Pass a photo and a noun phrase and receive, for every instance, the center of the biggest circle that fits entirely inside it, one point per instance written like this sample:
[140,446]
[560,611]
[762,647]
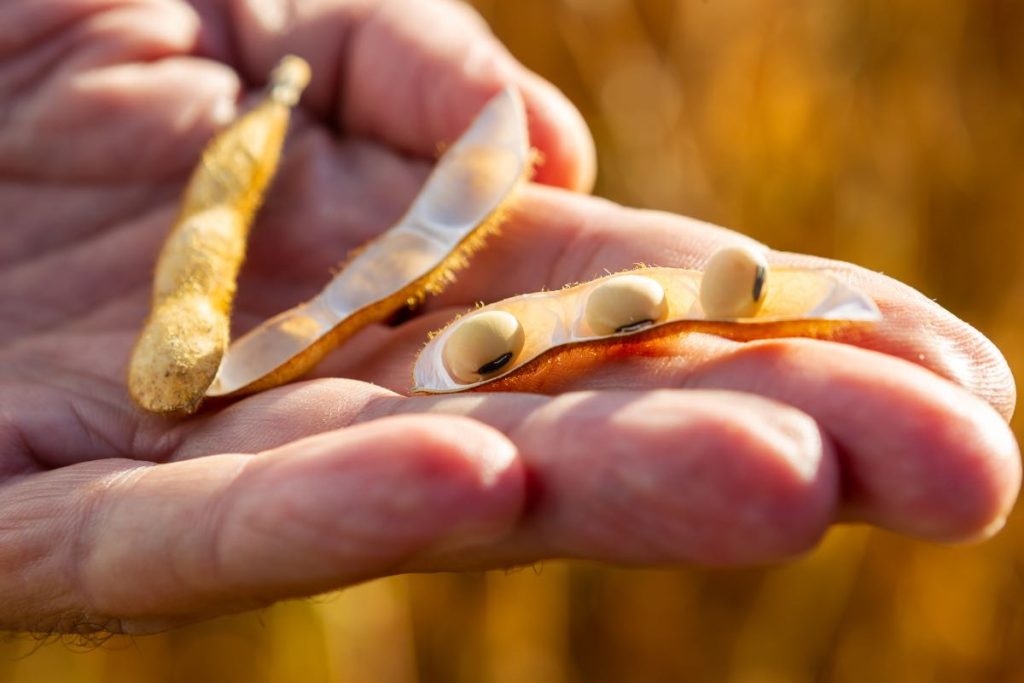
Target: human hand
[717,452]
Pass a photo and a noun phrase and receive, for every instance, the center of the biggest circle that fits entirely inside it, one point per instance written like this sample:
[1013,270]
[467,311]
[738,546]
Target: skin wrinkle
[40,356]
[165,70]
[974,362]
[731,439]
[84,529]
[31,276]
[22,32]
[215,426]
[15,456]
[70,391]
[34,243]
[122,318]
[206,525]
[951,347]
[356,537]
[99,441]
[615,496]
[43,57]
[577,250]
[510,423]
[216,526]
[113,92]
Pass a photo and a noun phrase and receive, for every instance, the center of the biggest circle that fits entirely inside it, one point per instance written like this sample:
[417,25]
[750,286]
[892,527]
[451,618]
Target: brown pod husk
[185,337]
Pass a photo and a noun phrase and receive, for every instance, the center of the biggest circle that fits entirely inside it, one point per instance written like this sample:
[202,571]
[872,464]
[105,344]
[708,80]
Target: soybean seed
[734,283]
[625,303]
[482,345]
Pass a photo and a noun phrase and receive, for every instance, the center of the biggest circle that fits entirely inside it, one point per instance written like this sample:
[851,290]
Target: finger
[116,100]
[116,546]
[639,477]
[62,301]
[412,74]
[661,477]
[554,238]
[920,456]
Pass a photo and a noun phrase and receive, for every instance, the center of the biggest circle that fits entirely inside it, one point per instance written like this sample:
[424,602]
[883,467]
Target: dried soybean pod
[569,331]
[183,341]
[464,199]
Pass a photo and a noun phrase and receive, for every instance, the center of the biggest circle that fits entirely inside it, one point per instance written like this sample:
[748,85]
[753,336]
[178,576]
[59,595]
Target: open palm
[707,451]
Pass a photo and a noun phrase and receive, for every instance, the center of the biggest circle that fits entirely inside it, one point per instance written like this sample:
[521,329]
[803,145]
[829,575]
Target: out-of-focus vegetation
[886,132]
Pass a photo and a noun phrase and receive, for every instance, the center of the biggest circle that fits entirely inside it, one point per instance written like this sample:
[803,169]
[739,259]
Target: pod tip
[288,79]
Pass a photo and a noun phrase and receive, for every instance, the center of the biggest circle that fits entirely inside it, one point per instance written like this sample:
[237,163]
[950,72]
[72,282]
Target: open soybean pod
[184,339]
[532,335]
[462,201]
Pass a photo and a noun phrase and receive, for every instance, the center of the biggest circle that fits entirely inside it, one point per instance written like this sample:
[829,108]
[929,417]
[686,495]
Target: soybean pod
[184,339]
[517,344]
[464,199]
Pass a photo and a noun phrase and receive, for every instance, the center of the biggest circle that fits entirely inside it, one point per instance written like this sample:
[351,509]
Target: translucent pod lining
[460,203]
[799,302]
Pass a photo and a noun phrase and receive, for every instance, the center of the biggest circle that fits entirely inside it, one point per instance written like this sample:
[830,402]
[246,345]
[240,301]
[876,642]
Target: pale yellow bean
[482,345]
[734,284]
[625,303]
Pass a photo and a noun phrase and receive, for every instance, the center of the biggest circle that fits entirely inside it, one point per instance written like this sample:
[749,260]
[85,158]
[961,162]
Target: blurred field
[890,133]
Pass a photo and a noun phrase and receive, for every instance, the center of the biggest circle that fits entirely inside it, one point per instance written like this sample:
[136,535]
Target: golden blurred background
[885,132]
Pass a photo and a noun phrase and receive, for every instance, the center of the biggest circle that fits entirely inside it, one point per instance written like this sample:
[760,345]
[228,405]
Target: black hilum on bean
[759,276]
[495,365]
[633,327]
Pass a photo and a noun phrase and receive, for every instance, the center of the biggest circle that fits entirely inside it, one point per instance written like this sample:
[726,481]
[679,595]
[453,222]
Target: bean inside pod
[578,320]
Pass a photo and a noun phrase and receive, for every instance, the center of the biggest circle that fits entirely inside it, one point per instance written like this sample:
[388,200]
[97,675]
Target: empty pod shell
[461,202]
